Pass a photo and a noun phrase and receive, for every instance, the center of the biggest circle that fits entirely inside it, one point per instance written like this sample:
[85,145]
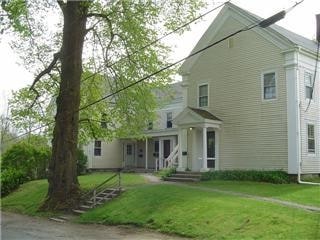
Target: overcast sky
[300,20]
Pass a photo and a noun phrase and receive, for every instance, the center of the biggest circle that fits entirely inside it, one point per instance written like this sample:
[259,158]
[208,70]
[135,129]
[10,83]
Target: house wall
[111,155]
[310,162]
[254,131]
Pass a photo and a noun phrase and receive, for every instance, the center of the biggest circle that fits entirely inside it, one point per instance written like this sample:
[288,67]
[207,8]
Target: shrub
[31,159]
[167,172]
[248,175]
[81,162]
[10,180]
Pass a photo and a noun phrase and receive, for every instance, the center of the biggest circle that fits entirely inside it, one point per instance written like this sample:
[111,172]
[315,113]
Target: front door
[211,149]
[129,153]
[166,149]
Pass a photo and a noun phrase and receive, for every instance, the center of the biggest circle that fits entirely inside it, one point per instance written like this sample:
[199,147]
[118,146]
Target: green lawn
[29,196]
[298,193]
[191,212]
[205,215]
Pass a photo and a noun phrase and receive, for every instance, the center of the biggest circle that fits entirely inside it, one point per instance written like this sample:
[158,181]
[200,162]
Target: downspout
[299,129]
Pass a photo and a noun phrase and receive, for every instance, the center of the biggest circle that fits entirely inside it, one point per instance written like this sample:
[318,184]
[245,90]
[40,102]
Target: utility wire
[162,37]
[314,77]
[133,53]
[263,24]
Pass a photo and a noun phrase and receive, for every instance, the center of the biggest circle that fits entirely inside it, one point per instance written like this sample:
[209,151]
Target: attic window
[230,43]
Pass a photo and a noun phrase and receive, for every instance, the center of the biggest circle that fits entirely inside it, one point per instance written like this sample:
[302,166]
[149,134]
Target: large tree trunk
[63,184]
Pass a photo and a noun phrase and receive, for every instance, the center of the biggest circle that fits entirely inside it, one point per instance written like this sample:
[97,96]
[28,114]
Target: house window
[269,86]
[150,125]
[103,123]
[97,148]
[156,149]
[169,120]
[203,95]
[308,82]
[311,139]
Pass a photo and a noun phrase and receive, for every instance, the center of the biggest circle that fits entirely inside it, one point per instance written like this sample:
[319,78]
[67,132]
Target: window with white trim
[169,120]
[97,148]
[203,95]
[308,83]
[269,86]
[311,139]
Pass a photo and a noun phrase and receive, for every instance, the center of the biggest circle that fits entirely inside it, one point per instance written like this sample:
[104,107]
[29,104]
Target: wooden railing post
[119,179]
[94,197]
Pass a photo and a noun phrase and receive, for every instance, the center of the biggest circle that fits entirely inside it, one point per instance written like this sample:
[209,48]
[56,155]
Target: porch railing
[112,183]
[172,160]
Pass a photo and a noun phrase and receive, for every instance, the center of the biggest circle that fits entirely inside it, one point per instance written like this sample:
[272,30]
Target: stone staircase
[184,177]
[104,192]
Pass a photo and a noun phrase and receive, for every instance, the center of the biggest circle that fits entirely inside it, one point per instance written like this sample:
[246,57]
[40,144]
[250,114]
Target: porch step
[181,179]
[186,175]
[78,211]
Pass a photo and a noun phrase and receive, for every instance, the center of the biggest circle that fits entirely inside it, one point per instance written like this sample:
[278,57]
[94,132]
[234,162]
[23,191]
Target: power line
[160,38]
[153,42]
[263,24]
[133,53]
[314,77]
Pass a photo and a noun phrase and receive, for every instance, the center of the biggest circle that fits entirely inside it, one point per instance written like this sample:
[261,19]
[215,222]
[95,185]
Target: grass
[205,215]
[298,193]
[29,196]
[192,212]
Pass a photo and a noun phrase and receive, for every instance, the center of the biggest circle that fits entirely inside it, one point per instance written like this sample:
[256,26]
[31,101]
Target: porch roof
[193,117]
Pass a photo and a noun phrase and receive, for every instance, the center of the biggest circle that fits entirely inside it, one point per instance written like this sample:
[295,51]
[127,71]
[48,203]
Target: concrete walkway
[152,179]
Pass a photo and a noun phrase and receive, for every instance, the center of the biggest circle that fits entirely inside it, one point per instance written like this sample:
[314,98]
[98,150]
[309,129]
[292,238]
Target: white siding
[111,155]
[254,132]
[310,162]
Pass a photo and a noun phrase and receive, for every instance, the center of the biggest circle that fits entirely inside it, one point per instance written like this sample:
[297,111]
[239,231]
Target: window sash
[203,96]
[308,83]
[97,148]
[269,86]
[311,139]
[169,120]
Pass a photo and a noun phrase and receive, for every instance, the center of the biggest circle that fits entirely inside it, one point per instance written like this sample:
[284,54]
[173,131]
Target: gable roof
[284,38]
[291,36]
[205,114]
[192,117]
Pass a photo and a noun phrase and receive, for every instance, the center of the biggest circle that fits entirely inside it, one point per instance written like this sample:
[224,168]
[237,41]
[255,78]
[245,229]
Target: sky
[300,20]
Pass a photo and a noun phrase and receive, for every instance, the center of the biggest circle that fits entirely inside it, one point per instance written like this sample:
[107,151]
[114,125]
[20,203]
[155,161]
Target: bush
[10,180]
[82,160]
[248,175]
[30,158]
[167,172]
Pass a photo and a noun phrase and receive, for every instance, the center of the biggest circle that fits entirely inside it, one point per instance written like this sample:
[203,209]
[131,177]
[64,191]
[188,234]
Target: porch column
[160,154]
[204,150]
[146,154]
[183,148]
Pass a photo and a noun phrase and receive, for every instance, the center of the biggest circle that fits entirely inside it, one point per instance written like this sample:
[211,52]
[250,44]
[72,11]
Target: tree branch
[99,15]
[56,56]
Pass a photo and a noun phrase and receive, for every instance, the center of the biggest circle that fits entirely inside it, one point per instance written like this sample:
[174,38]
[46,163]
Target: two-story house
[250,102]
[247,99]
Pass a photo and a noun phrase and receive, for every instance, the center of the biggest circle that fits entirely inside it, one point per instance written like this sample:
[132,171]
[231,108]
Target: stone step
[78,211]
[186,175]
[84,207]
[189,172]
[183,179]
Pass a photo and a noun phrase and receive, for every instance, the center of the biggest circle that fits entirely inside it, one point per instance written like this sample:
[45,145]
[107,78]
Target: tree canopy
[114,56]
[81,51]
